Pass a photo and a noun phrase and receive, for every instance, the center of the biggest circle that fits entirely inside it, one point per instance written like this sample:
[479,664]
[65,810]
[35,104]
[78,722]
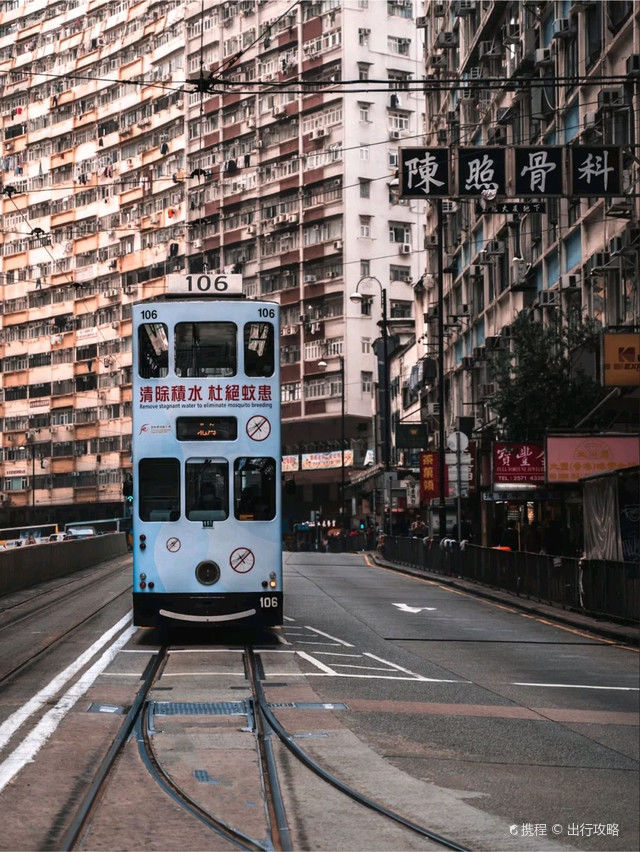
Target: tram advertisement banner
[517,463]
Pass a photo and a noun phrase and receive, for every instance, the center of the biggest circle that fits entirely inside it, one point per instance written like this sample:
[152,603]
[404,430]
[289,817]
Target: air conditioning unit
[394,134]
[431,241]
[468,363]
[447,40]
[488,51]
[433,409]
[465,7]
[310,279]
[287,330]
[421,22]
[449,206]
[563,28]
[318,133]
[617,246]
[292,218]
[453,117]
[281,218]
[337,244]
[476,270]
[487,390]
[599,260]
[112,294]
[549,298]
[251,230]
[438,60]
[315,327]
[543,57]
[494,247]
[404,248]
[570,282]
[633,65]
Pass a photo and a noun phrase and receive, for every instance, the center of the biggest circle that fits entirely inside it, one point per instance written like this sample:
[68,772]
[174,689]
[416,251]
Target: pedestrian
[510,536]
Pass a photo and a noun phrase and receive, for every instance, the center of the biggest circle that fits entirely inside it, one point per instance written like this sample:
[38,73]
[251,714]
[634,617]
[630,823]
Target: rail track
[265,727]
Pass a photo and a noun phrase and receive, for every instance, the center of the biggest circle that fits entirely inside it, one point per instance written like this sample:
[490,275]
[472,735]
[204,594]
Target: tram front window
[159,489]
[258,349]
[153,350]
[207,485]
[206,349]
[254,489]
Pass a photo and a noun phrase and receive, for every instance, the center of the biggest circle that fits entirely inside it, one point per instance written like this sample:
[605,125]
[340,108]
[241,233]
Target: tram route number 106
[206,283]
[268,603]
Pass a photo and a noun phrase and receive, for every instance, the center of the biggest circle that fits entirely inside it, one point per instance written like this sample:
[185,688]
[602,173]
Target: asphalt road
[532,723]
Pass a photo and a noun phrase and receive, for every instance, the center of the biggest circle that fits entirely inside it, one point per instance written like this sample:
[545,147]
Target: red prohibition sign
[258,427]
[242,560]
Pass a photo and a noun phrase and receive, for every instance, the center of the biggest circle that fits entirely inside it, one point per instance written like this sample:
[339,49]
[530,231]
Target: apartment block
[144,139]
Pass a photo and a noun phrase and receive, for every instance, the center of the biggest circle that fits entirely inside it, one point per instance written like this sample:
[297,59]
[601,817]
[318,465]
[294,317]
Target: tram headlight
[208,573]
[272,584]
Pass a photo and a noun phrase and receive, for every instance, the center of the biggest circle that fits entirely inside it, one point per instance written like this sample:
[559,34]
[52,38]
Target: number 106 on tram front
[206,463]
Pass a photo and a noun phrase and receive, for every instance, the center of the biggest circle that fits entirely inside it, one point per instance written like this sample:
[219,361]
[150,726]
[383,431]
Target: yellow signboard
[621,360]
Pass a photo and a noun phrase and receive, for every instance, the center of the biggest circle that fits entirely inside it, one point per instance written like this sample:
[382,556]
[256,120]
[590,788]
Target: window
[254,489]
[364,152]
[366,381]
[153,350]
[365,188]
[365,306]
[593,33]
[365,268]
[392,158]
[159,489]
[365,226]
[258,349]
[399,273]
[363,37]
[207,489]
[365,110]
[363,70]
[399,232]
[398,45]
[400,310]
[205,349]
[366,345]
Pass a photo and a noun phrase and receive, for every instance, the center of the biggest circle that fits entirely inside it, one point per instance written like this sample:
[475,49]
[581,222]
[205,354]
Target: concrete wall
[22,567]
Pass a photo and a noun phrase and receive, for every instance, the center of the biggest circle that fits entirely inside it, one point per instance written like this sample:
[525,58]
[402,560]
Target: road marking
[322,644]
[287,618]
[413,674]
[577,686]
[313,661]
[34,741]
[20,716]
[329,636]
[414,609]
[336,654]
[369,668]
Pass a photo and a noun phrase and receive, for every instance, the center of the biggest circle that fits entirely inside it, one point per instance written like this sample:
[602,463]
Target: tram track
[57,639]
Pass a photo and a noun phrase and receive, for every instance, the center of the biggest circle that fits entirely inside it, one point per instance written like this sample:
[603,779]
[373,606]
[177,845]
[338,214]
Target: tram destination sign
[205,284]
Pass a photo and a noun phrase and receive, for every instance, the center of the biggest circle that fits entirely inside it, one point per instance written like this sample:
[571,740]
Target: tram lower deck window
[254,487]
[159,489]
[206,349]
[207,489]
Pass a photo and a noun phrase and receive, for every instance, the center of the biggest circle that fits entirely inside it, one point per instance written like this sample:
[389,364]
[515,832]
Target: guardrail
[597,587]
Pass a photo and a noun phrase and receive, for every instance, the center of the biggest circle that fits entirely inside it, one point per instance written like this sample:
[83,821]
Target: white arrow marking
[406,608]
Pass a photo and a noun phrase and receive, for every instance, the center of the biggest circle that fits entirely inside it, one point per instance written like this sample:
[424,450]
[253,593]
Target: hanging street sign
[595,170]
[538,171]
[481,171]
[424,172]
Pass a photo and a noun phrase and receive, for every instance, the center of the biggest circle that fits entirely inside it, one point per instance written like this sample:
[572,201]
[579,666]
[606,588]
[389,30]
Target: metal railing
[598,587]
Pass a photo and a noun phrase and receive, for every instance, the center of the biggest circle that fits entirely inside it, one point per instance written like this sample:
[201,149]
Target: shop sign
[290,463]
[481,170]
[572,458]
[517,463]
[621,360]
[430,477]
[424,172]
[325,461]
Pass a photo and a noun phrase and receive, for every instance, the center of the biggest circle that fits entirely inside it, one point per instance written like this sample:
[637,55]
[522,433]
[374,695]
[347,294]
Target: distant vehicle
[80,532]
[59,537]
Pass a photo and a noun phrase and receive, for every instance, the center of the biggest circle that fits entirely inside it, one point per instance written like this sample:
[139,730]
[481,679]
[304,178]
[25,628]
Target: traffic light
[362,525]
[127,488]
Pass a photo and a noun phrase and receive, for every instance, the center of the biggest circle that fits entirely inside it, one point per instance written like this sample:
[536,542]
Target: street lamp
[323,365]
[386,442]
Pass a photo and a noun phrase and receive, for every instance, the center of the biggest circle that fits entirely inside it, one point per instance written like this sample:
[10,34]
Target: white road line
[407,671]
[281,638]
[321,644]
[286,618]
[135,651]
[206,651]
[315,662]
[34,741]
[369,668]
[13,722]
[336,654]
[577,686]
[329,636]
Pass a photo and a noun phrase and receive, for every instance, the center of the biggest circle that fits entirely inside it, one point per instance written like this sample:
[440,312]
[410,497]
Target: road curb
[606,629]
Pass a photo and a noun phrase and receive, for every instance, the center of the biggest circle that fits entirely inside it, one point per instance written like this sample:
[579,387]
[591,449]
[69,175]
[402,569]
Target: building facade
[144,139]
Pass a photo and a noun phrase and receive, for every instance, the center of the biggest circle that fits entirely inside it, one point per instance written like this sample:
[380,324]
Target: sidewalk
[600,627]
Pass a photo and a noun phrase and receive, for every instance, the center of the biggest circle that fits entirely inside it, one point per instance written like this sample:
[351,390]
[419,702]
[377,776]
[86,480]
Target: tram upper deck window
[258,349]
[207,487]
[254,489]
[159,489]
[206,349]
[153,350]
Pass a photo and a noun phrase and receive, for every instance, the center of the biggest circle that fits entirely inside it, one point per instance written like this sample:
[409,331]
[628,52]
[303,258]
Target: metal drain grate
[200,708]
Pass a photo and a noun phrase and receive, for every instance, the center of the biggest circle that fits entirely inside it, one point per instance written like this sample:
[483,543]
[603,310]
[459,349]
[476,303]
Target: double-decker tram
[206,460]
